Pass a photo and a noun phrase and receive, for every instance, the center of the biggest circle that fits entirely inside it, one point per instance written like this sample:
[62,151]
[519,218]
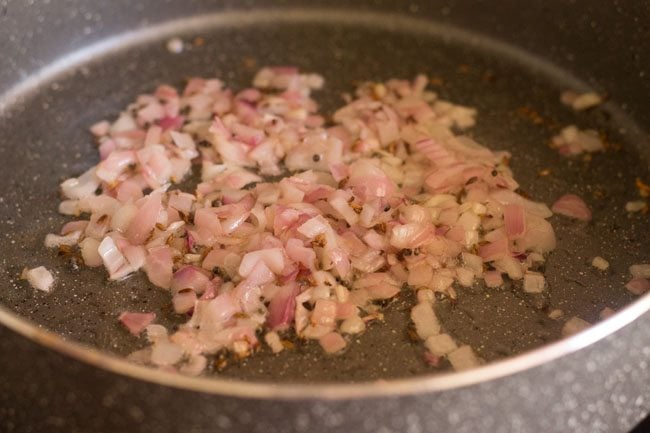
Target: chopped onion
[600,263]
[194,365]
[189,277]
[353,325]
[55,241]
[183,301]
[515,220]
[282,307]
[586,101]
[493,279]
[90,252]
[324,313]
[144,219]
[156,333]
[463,358]
[81,187]
[574,325]
[573,141]
[572,206]
[431,359]
[114,261]
[159,265]
[136,322]
[534,282]
[388,194]
[273,340]
[39,278]
[636,206]
[166,354]
[640,270]
[606,313]
[272,257]
[441,344]
[494,250]
[332,342]
[638,286]
[510,266]
[425,320]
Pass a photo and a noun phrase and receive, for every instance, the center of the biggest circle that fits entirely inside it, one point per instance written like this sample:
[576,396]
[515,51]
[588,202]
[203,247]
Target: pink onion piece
[572,206]
[640,270]
[273,258]
[507,196]
[109,169]
[494,250]
[301,254]
[332,342]
[73,226]
[158,266]
[514,217]
[638,286]
[220,309]
[383,290]
[183,301]
[173,123]
[145,218]
[136,322]
[324,313]
[190,277]
[387,194]
[411,235]
[282,307]
[493,278]
[431,359]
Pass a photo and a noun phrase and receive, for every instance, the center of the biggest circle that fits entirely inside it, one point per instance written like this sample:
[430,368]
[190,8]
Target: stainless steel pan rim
[241,389]
[377,389]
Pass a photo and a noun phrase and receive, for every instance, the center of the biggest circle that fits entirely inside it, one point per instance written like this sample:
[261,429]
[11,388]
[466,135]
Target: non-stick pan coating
[45,139]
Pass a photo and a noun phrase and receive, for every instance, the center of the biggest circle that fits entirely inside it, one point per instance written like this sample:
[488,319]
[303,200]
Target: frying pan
[68,64]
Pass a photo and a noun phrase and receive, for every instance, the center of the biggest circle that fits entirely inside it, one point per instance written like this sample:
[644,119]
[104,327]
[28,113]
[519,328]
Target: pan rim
[294,391]
[420,384]
[400,23]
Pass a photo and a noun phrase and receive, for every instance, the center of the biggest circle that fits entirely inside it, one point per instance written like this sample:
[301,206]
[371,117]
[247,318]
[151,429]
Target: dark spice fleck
[65,250]
[357,208]
[221,273]
[319,241]
[412,335]
[221,362]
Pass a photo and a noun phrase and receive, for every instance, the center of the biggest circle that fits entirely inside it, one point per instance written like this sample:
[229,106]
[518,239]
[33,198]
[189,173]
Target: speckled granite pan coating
[43,139]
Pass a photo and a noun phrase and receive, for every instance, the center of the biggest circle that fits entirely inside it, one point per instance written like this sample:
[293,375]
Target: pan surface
[45,139]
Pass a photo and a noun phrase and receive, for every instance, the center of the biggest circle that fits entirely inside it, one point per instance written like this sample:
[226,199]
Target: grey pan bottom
[595,389]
